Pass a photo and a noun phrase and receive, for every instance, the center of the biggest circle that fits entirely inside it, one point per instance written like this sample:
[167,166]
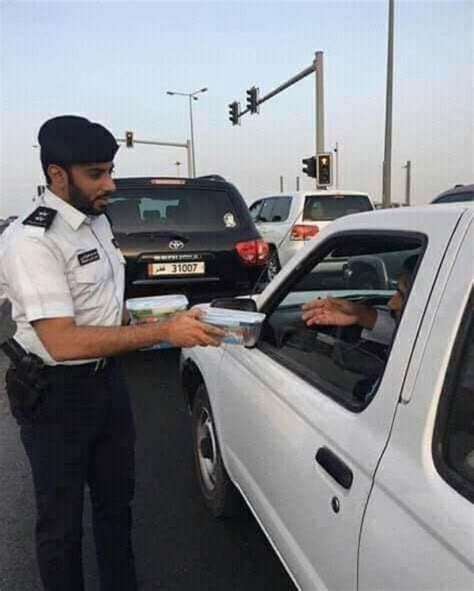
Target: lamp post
[191,96]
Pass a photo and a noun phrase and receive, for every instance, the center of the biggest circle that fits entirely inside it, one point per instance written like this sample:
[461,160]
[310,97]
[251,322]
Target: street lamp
[191,96]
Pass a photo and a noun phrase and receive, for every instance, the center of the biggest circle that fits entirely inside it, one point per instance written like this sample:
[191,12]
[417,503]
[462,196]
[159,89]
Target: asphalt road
[178,545]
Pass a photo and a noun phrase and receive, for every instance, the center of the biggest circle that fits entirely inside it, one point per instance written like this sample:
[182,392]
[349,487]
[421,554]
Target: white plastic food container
[156,308]
[241,328]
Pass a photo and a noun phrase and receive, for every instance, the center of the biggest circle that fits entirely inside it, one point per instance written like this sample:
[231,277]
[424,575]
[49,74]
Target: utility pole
[297,183]
[336,152]
[281,184]
[407,167]
[387,163]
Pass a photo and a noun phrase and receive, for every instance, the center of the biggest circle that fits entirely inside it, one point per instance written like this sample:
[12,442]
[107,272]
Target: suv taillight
[303,232]
[253,252]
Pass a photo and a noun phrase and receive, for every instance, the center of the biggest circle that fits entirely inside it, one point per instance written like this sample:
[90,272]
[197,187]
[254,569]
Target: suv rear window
[328,207]
[138,210]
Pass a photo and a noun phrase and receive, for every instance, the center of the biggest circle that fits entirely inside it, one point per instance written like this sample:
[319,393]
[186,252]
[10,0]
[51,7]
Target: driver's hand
[186,330]
[330,312]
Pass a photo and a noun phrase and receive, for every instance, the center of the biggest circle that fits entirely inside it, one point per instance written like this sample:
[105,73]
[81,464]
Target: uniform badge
[88,257]
[42,217]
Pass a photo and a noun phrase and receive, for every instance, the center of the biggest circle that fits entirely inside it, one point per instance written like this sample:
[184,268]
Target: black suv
[190,236]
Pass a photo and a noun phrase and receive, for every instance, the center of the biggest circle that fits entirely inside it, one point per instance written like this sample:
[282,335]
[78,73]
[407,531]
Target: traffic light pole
[407,167]
[187,146]
[319,92]
[282,87]
[317,67]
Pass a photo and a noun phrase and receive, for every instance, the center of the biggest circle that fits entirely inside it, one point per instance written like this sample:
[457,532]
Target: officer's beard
[79,200]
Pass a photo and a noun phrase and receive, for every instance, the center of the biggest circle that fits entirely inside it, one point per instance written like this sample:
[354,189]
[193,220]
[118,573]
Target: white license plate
[157,269]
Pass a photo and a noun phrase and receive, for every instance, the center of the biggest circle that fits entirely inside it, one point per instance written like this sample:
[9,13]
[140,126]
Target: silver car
[287,221]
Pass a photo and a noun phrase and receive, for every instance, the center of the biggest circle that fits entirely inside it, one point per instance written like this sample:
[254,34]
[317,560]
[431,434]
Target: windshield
[328,207]
[170,209]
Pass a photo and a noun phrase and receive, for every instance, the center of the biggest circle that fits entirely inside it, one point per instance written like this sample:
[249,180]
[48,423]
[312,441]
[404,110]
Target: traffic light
[309,167]
[129,139]
[324,171]
[234,109]
[252,99]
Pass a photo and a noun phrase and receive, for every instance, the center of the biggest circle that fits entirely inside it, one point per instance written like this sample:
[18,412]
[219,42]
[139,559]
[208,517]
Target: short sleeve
[36,275]
[383,329]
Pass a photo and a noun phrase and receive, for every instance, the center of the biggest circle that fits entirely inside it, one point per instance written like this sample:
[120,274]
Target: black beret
[69,139]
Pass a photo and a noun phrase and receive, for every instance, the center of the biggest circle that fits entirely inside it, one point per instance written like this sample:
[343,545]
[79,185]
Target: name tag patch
[88,257]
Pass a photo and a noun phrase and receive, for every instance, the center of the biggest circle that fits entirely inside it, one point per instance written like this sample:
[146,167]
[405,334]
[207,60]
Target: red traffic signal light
[129,139]
[309,167]
[324,171]
[252,99]
[234,114]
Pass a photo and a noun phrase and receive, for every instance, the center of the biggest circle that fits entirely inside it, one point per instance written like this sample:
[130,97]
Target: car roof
[417,215]
[214,181]
[328,193]
[455,190]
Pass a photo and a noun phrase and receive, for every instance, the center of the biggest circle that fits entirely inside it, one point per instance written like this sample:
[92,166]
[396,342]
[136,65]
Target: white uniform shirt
[383,329]
[71,269]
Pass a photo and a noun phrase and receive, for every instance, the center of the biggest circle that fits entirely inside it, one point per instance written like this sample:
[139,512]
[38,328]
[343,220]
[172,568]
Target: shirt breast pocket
[91,274]
[89,286]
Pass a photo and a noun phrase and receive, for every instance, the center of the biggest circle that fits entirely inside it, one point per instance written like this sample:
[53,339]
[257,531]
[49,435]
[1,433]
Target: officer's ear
[58,175]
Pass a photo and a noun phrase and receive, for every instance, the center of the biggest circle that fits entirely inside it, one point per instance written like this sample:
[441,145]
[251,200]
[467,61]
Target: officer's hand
[186,330]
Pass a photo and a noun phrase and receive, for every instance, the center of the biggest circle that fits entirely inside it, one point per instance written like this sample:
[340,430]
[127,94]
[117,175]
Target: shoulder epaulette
[42,217]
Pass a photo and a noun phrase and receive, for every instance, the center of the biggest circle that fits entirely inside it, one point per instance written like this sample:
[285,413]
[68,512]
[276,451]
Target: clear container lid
[225,317]
[158,304]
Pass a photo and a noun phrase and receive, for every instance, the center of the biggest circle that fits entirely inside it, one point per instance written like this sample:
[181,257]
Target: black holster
[25,381]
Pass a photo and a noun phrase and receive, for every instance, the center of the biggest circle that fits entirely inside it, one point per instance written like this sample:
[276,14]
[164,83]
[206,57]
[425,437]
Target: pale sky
[113,62]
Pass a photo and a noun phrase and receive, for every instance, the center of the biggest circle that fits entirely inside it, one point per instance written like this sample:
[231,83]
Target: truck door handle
[334,466]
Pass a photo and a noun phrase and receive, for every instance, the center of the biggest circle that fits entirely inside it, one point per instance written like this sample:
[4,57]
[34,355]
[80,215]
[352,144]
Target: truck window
[343,356]
[453,444]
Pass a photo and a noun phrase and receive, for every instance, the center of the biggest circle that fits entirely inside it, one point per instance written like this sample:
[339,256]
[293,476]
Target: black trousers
[83,433]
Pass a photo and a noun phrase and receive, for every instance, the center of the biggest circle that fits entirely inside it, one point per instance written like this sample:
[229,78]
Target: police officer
[63,272]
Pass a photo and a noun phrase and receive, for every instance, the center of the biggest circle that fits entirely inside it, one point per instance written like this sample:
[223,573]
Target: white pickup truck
[355,455]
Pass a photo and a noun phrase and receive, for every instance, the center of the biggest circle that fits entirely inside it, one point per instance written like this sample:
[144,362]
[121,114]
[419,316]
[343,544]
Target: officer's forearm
[65,341]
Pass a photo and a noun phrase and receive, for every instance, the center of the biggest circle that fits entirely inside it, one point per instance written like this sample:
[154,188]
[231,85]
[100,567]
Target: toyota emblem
[176,245]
